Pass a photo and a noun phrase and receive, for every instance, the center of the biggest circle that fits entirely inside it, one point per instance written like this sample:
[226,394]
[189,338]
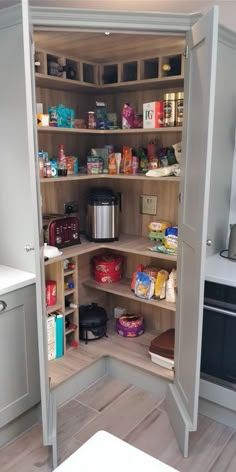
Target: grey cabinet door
[182,399]
[19,368]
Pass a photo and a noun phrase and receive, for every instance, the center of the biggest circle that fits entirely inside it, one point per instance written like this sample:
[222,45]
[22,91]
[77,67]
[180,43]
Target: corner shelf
[122,289]
[127,243]
[71,178]
[52,129]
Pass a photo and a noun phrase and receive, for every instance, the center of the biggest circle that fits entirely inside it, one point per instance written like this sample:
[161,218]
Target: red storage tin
[107,268]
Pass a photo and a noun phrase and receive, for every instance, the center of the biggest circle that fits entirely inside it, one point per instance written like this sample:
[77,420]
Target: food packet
[144,286]
[128,116]
[171,238]
[171,287]
[127,159]
[160,285]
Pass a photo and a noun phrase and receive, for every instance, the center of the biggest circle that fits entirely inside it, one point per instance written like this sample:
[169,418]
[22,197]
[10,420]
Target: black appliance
[92,322]
[218,362]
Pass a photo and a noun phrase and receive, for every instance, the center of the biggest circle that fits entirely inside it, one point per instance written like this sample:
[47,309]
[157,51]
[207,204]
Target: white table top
[104,452]
[12,279]
[220,270]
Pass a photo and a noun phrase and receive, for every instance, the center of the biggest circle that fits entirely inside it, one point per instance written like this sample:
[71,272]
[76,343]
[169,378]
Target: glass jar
[179,108]
[91,120]
[169,109]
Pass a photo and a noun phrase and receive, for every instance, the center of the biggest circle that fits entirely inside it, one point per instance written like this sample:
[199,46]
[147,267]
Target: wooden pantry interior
[115,69]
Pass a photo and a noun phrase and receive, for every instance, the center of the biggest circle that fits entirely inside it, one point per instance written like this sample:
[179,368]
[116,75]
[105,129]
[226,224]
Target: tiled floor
[132,414]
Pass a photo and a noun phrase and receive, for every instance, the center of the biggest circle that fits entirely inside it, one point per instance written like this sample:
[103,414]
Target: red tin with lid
[107,268]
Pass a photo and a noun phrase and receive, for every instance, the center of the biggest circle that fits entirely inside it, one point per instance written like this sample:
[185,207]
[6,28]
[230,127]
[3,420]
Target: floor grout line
[140,421]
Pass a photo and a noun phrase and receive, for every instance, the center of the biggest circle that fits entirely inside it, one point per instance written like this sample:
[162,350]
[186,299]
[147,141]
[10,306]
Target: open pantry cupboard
[137,78]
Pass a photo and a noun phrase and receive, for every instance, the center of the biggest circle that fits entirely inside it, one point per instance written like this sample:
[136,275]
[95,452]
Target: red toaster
[60,230]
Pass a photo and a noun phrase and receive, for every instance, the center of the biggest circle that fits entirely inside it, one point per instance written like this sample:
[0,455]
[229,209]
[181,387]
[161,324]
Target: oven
[218,360]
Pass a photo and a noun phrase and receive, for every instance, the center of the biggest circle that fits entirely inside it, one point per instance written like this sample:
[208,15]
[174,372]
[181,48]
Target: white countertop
[12,279]
[104,452]
[220,270]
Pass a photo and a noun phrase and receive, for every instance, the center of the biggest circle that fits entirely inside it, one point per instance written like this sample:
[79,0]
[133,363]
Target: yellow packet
[160,285]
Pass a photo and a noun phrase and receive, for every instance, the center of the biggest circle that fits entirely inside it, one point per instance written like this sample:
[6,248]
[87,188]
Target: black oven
[218,361]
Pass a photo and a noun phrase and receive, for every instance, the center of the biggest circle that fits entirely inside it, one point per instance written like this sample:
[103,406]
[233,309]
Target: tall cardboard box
[153,115]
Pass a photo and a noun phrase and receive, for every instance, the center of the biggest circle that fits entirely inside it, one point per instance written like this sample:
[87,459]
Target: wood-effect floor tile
[226,461]
[102,393]
[72,446]
[71,418]
[122,415]
[204,451]
[153,434]
[26,454]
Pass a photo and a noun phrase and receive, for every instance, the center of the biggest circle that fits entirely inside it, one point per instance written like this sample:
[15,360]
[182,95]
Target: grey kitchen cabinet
[205,134]
[19,366]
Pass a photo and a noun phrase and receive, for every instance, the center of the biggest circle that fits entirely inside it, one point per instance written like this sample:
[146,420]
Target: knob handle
[29,248]
[3,305]
[209,242]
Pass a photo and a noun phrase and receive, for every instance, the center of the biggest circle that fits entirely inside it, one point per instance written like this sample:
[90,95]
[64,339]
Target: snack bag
[171,287]
[171,238]
[128,116]
[160,285]
[144,286]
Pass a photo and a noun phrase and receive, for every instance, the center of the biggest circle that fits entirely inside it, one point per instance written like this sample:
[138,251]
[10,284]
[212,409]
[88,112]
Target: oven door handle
[219,310]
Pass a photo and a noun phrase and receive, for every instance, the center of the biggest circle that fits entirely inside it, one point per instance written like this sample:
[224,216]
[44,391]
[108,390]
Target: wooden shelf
[52,129]
[68,331]
[51,309]
[68,311]
[60,83]
[127,243]
[134,351]
[53,180]
[68,272]
[122,289]
[69,292]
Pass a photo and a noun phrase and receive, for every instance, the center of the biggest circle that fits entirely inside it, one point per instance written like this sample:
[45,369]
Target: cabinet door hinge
[180,197]
[186,52]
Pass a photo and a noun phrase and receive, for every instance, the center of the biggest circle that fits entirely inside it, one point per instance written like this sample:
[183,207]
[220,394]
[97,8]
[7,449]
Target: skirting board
[18,426]
[217,413]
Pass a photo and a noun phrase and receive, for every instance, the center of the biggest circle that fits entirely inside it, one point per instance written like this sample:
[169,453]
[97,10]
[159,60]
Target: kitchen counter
[220,270]
[12,279]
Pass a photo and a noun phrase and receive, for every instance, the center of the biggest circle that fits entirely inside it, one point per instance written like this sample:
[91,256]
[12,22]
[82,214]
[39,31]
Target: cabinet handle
[209,242]
[3,305]
[29,248]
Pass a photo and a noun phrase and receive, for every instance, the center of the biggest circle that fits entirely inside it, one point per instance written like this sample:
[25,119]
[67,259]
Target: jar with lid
[91,120]
[179,108]
[169,109]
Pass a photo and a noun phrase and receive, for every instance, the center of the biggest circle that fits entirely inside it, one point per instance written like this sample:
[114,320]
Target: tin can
[54,168]
[179,108]
[91,120]
[169,109]
[51,292]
